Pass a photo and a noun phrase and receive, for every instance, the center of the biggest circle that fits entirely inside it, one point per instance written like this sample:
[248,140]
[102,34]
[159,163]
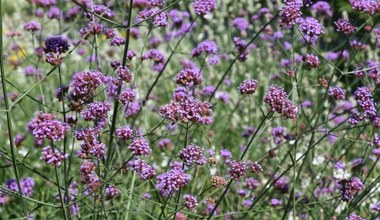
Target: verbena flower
[203,7]
[192,154]
[344,26]
[276,98]
[144,170]
[237,169]
[190,201]
[53,156]
[337,93]
[349,188]
[140,147]
[171,181]
[248,86]
[56,44]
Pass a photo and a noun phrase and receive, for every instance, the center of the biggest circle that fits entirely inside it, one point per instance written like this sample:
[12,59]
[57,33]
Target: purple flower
[117,41]
[278,133]
[282,184]
[44,125]
[112,192]
[365,100]
[144,170]
[159,18]
[203,7]
[190,201]
[311,60]
[192,154]
[349,187]
[124,73]
[368,6]
[125,133]
[275,202]
[354,216]
[337,93]
[54,13]
[32,26]
[208,47]
[311,28]
[189,77]
[56,44]
[171,181]
[127,95]
[84,84]
[140,147]
[345,26]
[237,169]
[322,8]
[289,14]
[276,98]
[96,111]
[240,46]
[248,86]
[53,157]
[240,23]
[252,183]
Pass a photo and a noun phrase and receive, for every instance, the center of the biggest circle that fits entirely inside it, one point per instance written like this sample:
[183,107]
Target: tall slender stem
[9,115]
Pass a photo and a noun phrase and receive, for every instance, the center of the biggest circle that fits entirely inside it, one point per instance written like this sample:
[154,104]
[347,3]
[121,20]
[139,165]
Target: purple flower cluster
[144,170]
[44,125]
[91,144]
[276,98]
[89,177]
[240,46]
[140,147]
[190,201]
[208,47]
[32,26]
[365,100]
[368,6]
[157,57]
[248,86]
[203,7]
[187,110]
[125,133]
[322,8]
[192,154]
[171,181]
[290,13]
[157,18]
[345,26]
[56,44]
[112,192]
[337,93]
[189,77]
[237,169]
[53,156]
[349,187]
[311,28]
[83,86]
[124,73]
[96,111]
[278,133]
[311,60]
[27,184]
[127,95]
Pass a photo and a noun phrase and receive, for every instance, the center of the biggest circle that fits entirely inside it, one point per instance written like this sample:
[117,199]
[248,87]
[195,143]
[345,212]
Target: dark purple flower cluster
[187,110]
[56,44]
[171,181]
[100,10]
[190,201]
[44,125]
[96,111]
[192,154]
[189,77]
[83,86]
[345,26]
[144,170]
[237,169]
[53,156]
[349,187]
[124,73]
[337,93]
[365,100]
[140,147]
[248,86]
[208,47]
[276,98]
[252,183]
[203,7]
